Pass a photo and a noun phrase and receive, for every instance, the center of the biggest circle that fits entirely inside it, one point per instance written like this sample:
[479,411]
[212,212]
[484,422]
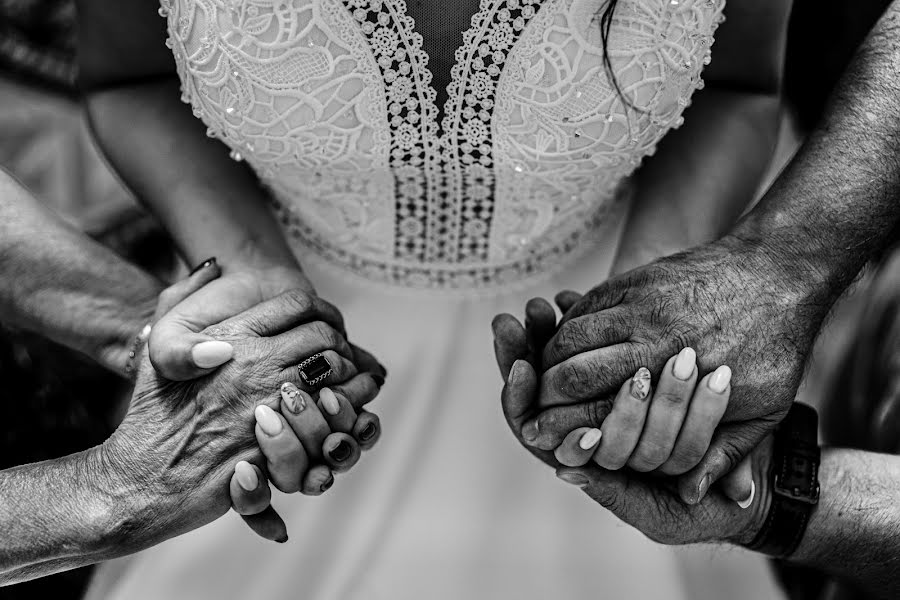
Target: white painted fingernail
[246,476]
[684,364]
[330,402]
[746,503]
[268,421]
[208,355]
[720,380]
[590,439]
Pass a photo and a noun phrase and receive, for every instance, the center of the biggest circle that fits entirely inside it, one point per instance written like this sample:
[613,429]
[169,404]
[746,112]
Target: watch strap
[795,483]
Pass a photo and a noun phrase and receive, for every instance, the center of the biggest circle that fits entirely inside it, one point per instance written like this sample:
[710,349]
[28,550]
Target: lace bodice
[331,102]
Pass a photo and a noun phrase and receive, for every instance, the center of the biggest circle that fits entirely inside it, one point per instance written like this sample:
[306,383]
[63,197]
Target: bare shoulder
[750,45]
[121,41]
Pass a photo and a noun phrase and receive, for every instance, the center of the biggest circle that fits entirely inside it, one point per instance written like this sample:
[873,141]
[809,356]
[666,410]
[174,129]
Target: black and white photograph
[450,299]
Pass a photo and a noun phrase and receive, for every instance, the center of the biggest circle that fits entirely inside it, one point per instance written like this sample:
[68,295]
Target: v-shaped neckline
[442,108]
[452,158]
[442,36]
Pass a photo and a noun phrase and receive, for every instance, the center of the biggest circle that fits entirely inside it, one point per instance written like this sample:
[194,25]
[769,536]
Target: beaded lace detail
[331,102]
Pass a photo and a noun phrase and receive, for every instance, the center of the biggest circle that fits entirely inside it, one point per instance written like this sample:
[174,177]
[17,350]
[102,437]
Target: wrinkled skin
[174,453]
[735,303]
[648,502]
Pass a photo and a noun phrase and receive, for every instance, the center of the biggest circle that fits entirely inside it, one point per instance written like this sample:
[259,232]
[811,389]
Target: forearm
[210,204]
[854,533]
[57,515]
[838,202]
[703,176]
[58,282]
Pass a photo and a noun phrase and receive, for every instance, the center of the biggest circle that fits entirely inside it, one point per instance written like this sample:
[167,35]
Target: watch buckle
[803,469]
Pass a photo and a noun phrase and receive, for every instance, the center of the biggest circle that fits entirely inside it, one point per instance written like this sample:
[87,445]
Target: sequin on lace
[331,102]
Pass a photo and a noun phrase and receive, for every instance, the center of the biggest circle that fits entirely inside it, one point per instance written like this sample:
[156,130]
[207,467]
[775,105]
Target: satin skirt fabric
[448,505]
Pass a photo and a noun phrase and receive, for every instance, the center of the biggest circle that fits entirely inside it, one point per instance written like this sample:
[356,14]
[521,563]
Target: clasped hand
[195,428]
[655,461]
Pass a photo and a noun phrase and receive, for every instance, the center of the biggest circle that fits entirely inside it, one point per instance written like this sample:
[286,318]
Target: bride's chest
[546,106]
[317,83]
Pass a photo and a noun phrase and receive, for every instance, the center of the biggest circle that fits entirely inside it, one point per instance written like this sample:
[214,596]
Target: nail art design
[294,399]
[640,384]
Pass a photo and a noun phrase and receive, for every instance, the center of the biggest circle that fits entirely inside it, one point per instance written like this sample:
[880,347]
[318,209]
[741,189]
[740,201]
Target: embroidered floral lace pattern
[330,101]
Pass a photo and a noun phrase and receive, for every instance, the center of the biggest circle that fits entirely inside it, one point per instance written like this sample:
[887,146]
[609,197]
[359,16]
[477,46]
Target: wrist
[125,327]
[128,508]
[110,522]
[796,254]
[251,254]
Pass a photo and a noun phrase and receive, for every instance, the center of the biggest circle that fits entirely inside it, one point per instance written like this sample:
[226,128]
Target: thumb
[606,488]
[268,525]
[729,446]
[173,295]
[518,395]
[177,352]
[510,342]
[739,485]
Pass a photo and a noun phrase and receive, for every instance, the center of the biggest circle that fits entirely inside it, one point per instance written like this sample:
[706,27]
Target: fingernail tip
[746,503]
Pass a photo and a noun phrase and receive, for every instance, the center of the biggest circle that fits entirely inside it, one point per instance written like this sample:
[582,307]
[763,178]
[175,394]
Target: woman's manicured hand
[716,299]
[665,428]
[176,449]
[305,442]
[733,511]
[179,348]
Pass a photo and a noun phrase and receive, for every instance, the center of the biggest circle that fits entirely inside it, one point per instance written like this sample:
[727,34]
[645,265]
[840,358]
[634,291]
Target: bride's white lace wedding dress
[515,187]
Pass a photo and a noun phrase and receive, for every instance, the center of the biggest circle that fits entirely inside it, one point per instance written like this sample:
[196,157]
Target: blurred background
[54,402]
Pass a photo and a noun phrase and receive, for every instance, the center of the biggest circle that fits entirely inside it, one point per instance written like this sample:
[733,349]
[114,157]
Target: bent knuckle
[611,461]
[325,333]
[297,300]
[572,337]
[576,379]
[683,459]
[634,356]
[594,413]
[670,397]
[649,456]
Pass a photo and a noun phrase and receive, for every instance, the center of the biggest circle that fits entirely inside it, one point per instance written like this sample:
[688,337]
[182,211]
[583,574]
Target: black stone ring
[315,369]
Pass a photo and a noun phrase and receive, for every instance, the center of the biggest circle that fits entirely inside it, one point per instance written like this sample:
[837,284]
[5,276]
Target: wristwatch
[794,480]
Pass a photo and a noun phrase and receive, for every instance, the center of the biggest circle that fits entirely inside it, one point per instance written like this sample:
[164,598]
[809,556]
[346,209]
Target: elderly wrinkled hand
[177,448]
[647,501]
[719,299]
